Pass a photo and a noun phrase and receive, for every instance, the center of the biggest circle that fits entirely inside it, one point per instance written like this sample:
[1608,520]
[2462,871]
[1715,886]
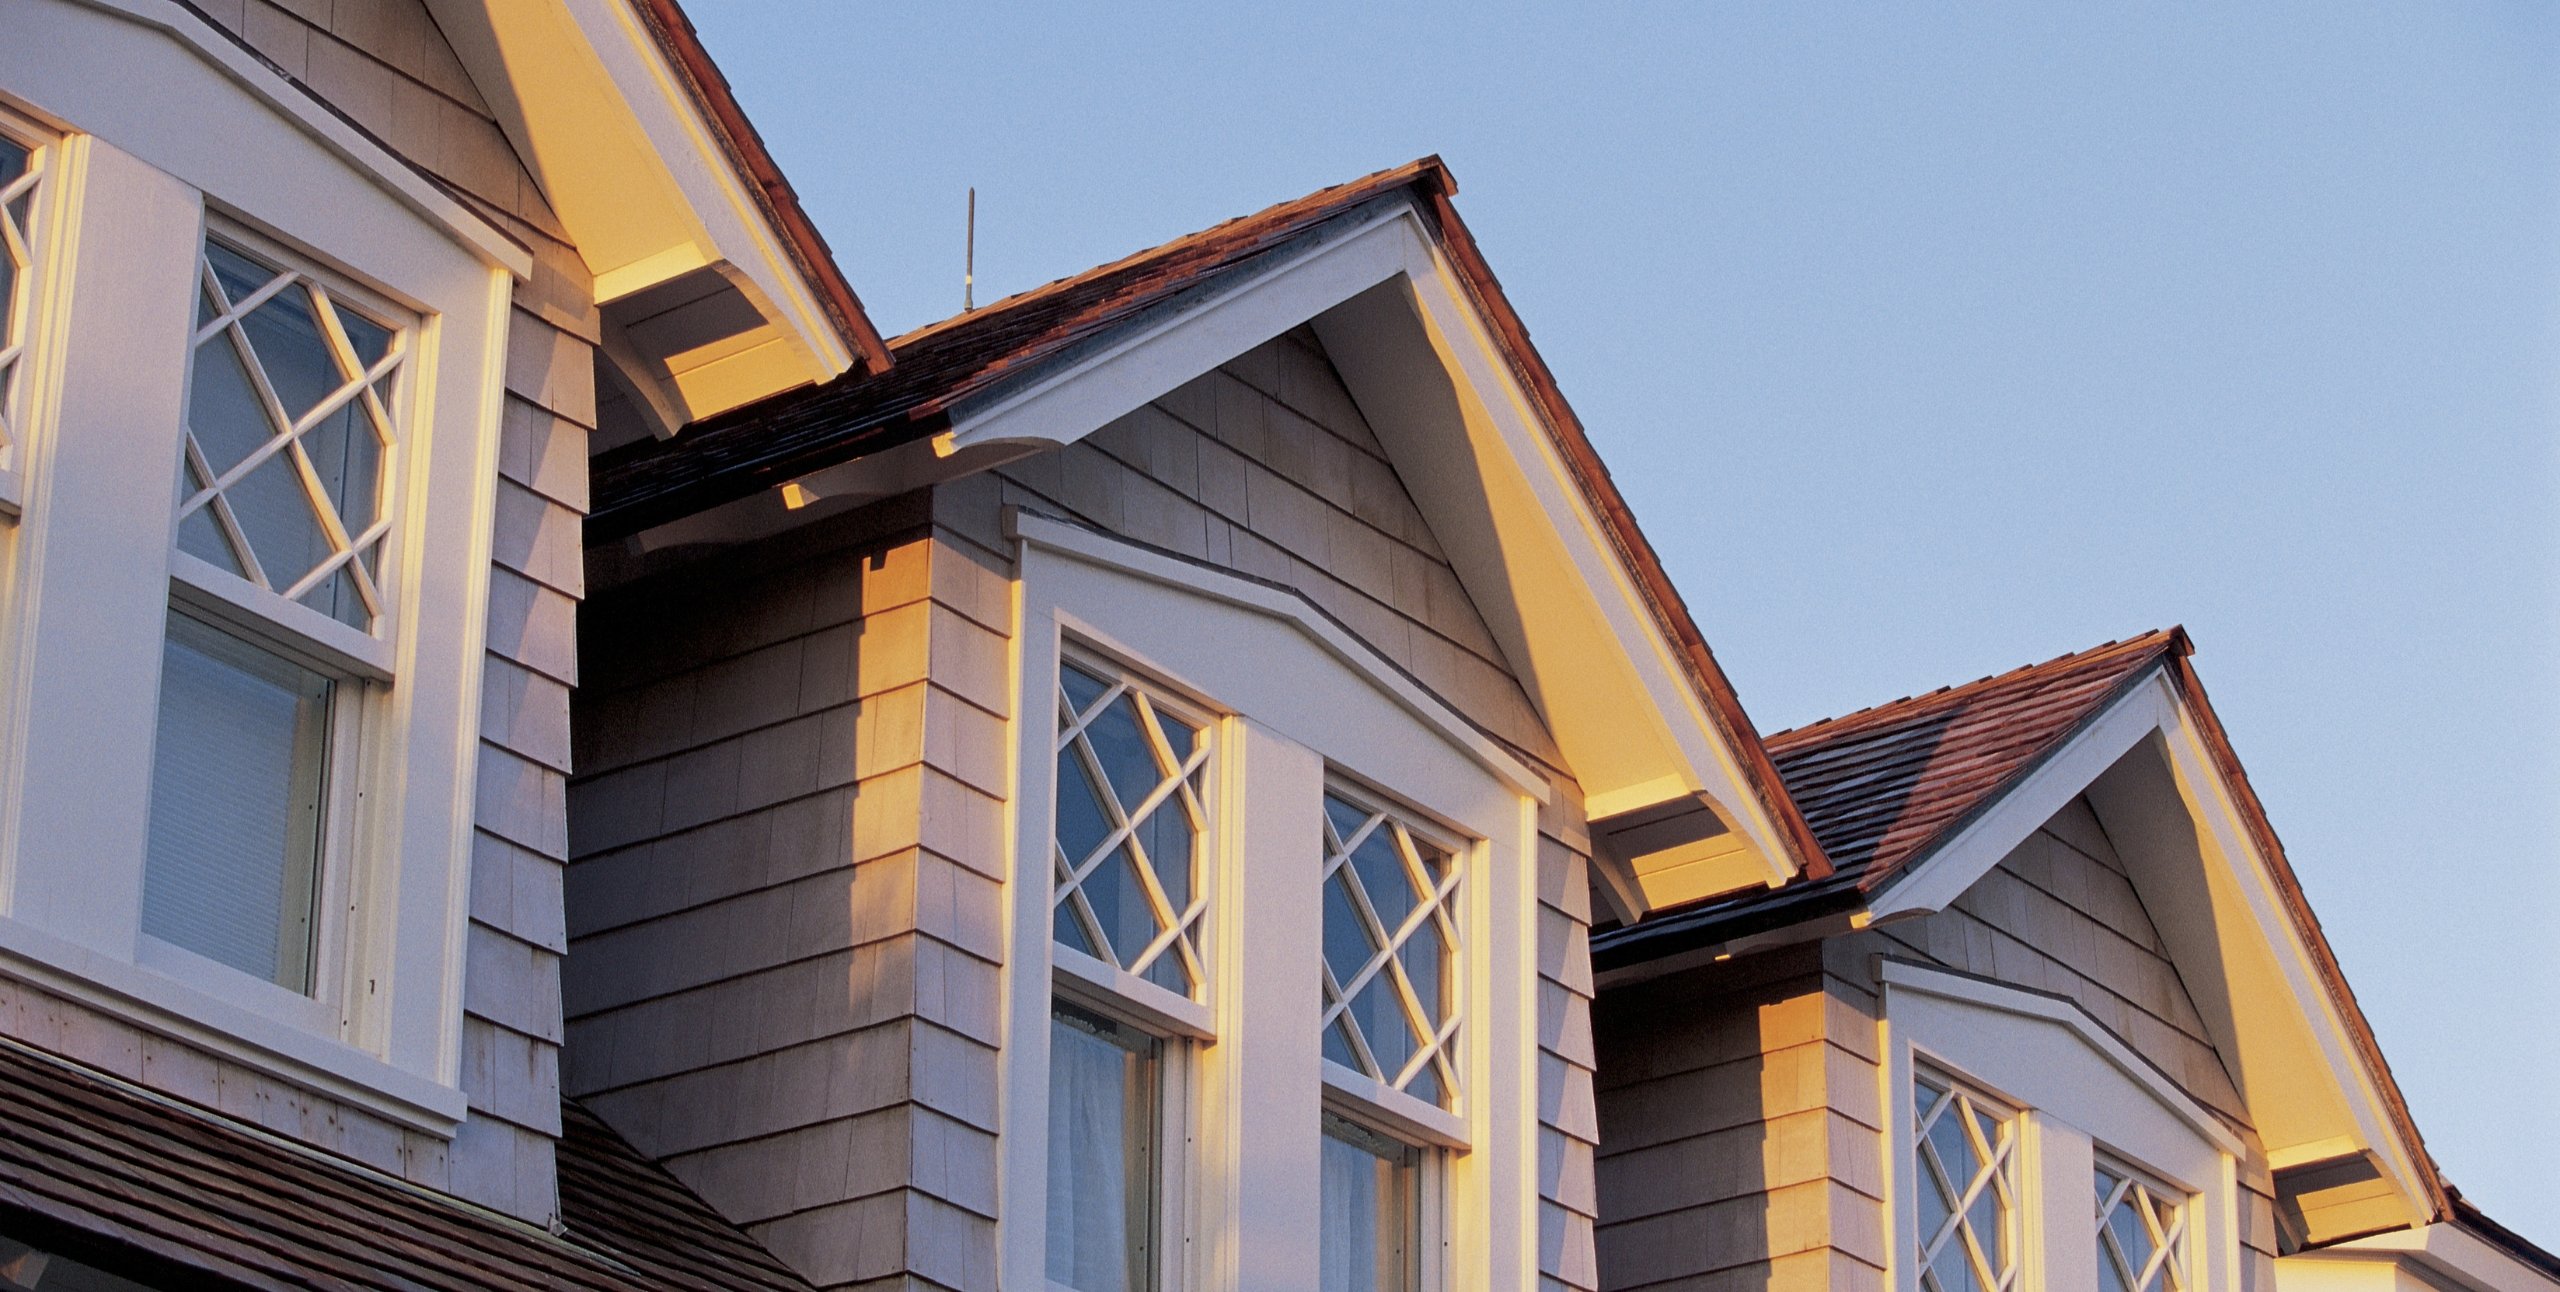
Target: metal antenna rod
[969,268]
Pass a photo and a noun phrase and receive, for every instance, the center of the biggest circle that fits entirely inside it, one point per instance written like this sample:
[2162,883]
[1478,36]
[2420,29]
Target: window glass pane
[1129,784]
[1390,910]
[2141,1234]
[1369,1211]
[1102,1141]
[280,380]
[237,780]
[1964,1165]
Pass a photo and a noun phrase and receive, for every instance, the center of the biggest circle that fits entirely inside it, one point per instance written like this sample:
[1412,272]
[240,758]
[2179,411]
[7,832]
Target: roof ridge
[1388,177]
[2154,640]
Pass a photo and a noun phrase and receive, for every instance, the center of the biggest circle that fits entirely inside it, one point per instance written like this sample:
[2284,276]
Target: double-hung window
[289,442]
[1128,901]
[1278,936]
[1389,1032]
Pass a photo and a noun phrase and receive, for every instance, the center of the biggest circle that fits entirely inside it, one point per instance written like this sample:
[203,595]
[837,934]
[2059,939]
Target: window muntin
[1132,824]
[1390,941]
[2141,1232]
[1370,1238]
[238,792]
[284,469]
[1964,1155]
[1105,1089]
[21,173]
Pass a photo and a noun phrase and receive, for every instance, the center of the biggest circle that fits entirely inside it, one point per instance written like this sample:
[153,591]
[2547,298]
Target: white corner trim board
[97,62]
[1906,976]
[1095,548]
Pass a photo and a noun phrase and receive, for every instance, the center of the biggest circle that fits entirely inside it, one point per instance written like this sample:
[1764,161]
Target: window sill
[156,1002]
[238,604]
[1118,992]
[1370,1101]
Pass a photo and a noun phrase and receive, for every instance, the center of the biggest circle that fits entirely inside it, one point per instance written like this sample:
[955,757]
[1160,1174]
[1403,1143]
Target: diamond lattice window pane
[1964,1160]
[2141,1234]
[1389,943]
[1129,825]
[288,436]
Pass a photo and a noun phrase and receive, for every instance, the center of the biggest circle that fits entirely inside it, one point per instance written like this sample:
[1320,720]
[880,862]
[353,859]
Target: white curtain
[1367,1216]
[1100,1173]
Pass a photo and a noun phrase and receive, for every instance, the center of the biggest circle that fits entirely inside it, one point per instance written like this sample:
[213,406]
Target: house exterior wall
[1743,1139]
[784,910]
[725,786]
[383,64]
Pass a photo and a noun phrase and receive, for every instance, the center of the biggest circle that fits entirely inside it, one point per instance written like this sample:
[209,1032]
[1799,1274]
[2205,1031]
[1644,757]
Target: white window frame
[1304,700]
[225,137]
[2081,1094]
[33,323]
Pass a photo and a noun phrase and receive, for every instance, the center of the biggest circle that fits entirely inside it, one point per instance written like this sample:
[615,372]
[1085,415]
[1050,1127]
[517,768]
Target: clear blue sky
[1928,341]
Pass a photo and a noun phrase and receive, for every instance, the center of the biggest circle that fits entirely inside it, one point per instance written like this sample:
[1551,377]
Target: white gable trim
[95,64]
[1905,976]
[1094,548]
[1603,673]
[1936,880]
[2155,711]
[1151,360]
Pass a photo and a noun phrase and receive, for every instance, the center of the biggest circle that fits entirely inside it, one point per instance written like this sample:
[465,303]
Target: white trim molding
[2442,1254]
[145,126]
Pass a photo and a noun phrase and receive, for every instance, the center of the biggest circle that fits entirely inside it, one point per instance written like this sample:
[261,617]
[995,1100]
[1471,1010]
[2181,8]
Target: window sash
[24,160]
[1963,1158]
[1130,830]
[239,805]
[2140,1231]
[1371,1232]
[1391,986]
[1105,1126]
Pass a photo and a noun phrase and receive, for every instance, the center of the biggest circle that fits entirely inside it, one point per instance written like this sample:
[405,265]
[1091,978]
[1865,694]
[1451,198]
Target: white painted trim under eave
[392,173]
[1095,548]
[2444,1249]
[1904,975]
[1936,880]
[1149,362]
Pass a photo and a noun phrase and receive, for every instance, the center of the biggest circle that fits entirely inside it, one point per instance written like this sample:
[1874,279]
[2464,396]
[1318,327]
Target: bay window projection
[1390,932]
[1964,1155]
[282,476]
[2141,1233]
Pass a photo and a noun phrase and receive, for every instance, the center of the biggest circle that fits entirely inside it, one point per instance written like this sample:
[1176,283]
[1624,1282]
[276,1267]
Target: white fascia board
[1095,548]
[1935,881]
[2217,812]
[2154,708]
[392,174]
[1151,360]
[1082,396]
[1706,762]
[730,216]
[2445,1250]
[1903,975]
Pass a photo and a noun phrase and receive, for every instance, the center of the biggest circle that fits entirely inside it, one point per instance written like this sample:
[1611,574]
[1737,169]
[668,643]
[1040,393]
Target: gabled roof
[1882,787]
[972,356]
[197,1192]
[937,366]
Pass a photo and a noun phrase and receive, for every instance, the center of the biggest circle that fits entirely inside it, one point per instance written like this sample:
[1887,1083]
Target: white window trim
[2080,1092]
[44,146]
[1258,1093]
[133,181]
